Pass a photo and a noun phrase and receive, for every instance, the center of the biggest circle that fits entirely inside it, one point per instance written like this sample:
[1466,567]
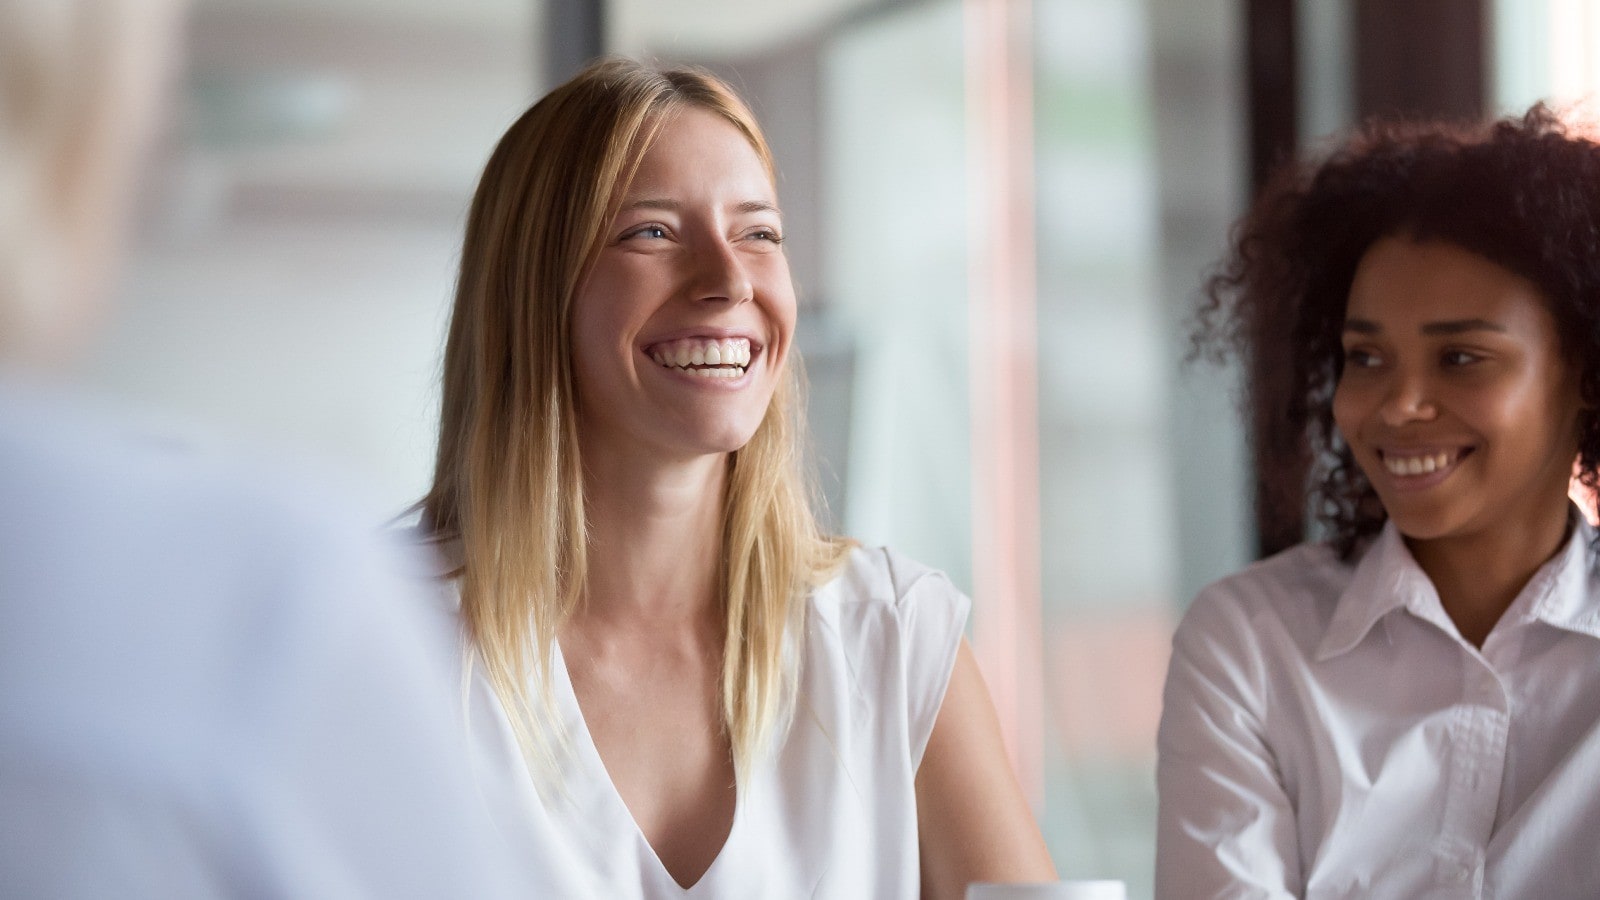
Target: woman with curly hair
[1406,707]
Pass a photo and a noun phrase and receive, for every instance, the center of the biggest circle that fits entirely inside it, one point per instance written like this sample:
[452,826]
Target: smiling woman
[1410,708]
[699,222]
[678,684]
[1458,405]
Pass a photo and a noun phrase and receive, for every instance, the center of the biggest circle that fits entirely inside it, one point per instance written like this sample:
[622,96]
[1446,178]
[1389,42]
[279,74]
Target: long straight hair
[508,482]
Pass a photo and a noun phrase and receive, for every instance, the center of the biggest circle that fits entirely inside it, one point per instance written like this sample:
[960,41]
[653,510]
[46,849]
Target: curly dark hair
[1523,193]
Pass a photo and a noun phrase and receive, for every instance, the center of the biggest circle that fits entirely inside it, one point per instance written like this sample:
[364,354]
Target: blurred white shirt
[213,685]
[1328,733]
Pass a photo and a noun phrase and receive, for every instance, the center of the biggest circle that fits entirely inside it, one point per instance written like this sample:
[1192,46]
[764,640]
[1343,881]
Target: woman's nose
[1409,398]
[720,274]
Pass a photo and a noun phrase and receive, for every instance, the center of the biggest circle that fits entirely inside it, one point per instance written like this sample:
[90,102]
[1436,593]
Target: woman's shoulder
[1312,567]
[874,576]
[1293,592]
[887,628]
[881,597]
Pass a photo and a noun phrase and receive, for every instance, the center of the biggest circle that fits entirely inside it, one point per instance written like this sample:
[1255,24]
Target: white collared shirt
[1327,732]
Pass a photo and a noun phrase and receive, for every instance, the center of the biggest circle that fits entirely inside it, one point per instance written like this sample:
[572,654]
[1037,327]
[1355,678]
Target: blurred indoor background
[999,211]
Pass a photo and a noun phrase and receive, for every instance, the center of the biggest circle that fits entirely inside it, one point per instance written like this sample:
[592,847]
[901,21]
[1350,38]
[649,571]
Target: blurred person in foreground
[679,682]
[212,684]
[1409,707]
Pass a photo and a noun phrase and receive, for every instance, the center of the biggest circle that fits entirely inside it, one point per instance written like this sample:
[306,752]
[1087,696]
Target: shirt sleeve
[932,616]
[1226,827]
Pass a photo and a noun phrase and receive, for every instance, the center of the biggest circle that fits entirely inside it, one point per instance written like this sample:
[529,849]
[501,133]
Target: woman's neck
[655,538]
[1479,576]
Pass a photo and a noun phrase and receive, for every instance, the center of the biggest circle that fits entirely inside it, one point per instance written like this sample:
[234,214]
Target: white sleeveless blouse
[832,812]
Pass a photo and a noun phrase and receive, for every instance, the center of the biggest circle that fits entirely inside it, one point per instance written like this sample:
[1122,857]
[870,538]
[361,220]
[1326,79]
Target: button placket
[1479,733]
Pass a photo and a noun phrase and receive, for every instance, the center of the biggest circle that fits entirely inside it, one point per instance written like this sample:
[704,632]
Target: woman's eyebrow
[1461,326]
[1447,327]
[661,203]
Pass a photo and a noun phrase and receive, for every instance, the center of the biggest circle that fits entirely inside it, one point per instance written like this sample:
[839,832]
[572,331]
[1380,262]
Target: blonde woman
[682,686]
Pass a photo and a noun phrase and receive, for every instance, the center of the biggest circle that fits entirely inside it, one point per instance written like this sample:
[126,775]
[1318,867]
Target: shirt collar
[1386,579]
[1565,592]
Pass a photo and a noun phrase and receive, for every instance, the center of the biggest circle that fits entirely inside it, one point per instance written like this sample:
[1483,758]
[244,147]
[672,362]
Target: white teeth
[1416,465]
[722,359]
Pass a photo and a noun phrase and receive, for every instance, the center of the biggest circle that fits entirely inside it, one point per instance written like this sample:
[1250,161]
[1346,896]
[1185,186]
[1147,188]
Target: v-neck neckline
[590,752]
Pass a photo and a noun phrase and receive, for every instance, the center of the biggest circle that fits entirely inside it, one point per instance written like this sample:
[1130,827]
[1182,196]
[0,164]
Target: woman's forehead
[1435,287]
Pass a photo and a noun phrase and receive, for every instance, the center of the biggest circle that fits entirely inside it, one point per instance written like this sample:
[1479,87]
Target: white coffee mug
[1052,890]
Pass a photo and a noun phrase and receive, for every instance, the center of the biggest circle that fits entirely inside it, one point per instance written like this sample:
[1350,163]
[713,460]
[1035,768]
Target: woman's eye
[654,232]
[766,234]
[1357,358]
[1453,358]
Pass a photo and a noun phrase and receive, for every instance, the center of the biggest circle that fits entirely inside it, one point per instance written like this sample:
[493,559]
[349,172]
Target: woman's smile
[725,359]
[1420,468]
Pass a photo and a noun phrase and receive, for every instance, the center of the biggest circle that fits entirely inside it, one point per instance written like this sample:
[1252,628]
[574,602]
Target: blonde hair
[78,82]
[508,479]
